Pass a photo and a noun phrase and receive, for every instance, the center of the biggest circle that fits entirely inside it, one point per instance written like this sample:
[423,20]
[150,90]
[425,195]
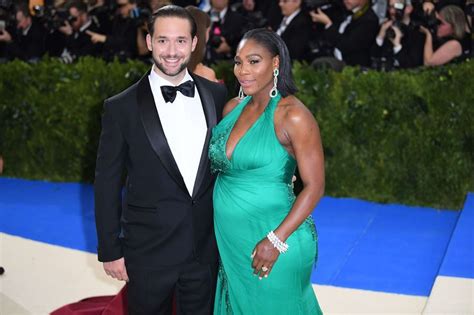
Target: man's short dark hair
[23,8]
[171,11]
[78,5]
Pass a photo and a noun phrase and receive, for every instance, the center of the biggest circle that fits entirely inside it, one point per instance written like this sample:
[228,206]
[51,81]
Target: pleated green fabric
[252,195]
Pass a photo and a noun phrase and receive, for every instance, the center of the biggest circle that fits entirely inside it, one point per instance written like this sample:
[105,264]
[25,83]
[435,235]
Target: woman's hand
[425,30]
[264,256]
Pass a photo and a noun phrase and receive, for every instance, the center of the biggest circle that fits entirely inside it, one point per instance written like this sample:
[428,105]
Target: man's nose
[171,48]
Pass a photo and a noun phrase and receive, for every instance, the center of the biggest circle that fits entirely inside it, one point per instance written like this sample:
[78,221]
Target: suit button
[193,202]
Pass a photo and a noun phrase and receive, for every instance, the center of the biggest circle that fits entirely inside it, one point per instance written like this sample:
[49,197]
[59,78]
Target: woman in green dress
[266,237]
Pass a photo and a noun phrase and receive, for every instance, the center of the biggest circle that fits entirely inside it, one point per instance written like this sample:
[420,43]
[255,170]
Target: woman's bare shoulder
[293,111]
[230,105]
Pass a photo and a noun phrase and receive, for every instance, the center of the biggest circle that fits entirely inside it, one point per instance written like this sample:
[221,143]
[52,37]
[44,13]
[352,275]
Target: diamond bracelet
[277,243]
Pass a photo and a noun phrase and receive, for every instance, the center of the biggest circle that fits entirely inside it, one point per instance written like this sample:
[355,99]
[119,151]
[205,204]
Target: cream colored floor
[451,296]
[40,278]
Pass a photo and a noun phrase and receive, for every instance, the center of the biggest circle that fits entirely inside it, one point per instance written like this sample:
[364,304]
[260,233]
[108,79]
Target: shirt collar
[26,30]
[85,26]
[221,14]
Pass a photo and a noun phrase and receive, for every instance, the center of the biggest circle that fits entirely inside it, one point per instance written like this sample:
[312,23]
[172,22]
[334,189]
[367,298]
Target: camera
[390,34]
[51,17]
[399,14]
[428,20]
[318,4]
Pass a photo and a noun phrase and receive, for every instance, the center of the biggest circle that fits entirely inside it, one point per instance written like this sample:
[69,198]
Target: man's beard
[163,69]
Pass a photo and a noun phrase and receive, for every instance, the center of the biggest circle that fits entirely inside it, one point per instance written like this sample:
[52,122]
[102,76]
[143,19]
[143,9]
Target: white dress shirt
[184,125]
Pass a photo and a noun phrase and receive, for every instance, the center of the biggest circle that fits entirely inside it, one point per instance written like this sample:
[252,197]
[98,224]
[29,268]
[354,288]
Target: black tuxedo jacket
[79,43]
[153,222]
[357,40]
[297,35]
[30,46]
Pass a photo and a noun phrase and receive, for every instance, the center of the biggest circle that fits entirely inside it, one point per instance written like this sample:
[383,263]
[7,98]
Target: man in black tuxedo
[352,37]
[225,33]
[159,234]
[78,42]
[27,42]
[294,28]
[398,42]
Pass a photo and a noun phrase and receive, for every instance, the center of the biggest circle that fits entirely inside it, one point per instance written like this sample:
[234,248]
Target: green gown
[252,196]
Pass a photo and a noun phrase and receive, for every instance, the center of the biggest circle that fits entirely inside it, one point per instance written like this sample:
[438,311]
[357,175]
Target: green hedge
[405,137]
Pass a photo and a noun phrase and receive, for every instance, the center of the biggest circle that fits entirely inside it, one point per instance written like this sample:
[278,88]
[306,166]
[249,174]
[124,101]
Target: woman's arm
[443,54]
[302,132]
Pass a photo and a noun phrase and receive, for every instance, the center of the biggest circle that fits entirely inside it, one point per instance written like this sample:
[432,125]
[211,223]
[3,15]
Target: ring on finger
[264,268]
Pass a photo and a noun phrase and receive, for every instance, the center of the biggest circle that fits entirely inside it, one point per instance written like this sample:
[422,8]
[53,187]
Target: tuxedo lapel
[154,130]
[209,108]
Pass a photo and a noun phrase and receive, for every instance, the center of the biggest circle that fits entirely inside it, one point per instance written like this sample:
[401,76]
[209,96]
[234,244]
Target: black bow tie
[169,92]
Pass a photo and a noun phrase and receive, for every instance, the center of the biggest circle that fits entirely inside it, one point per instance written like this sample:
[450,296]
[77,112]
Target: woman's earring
[274,91]
[241,93]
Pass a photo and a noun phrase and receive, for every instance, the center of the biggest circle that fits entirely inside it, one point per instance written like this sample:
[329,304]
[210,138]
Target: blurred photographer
[398,44]
[75,28]
[254,18]
[226,31]
[26,42]
[353,37]
[101,14]
[121,42]
[450,42]
[295,28]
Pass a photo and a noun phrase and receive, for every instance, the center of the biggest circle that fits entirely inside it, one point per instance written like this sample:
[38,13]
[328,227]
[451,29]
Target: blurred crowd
[379,34]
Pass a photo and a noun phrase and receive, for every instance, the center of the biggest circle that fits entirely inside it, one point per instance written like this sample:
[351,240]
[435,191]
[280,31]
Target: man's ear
[195,41]
[148,42]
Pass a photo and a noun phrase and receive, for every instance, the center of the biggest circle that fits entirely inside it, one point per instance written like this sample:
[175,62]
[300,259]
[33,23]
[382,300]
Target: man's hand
[223,48]
[5,36]
[66,29]
[116,269]
[96,37]
[383,29]
[320,17]
[428,7]
[397,40]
